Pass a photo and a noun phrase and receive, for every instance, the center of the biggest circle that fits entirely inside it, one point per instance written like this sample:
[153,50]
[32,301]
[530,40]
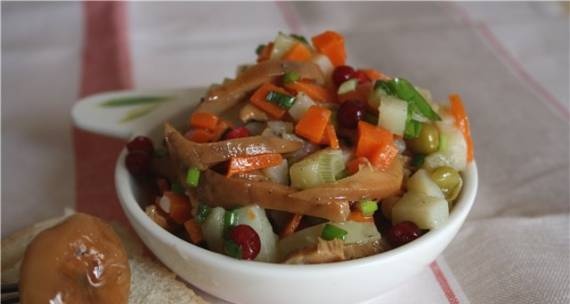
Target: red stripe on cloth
[511,61]
[105,67]
[290,16]
[443,283]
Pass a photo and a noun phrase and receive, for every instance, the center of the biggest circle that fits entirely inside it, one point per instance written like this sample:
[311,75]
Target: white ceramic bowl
[254,282]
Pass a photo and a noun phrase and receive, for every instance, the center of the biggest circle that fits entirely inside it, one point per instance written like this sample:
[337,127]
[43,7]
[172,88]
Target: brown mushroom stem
[205,155]
[223,97]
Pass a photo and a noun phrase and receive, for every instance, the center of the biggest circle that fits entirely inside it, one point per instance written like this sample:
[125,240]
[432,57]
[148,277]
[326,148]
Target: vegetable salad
[304,159]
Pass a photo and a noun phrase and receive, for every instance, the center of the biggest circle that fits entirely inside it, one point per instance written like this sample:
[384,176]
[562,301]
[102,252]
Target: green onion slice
[230,219]
[291,77]
[300,38]
[331,232]
[404,90]
[280,99]
[232,249]
[193,177]
[367,207]
[202,213]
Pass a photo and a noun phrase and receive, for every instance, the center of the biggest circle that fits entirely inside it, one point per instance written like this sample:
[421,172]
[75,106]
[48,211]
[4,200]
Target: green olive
[427,142]
[448,180]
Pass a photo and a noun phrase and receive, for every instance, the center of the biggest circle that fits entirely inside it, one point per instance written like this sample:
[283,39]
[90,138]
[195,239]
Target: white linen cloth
[509,61]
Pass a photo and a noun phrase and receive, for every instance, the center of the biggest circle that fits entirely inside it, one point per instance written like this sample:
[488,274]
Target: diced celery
[393,114]
[318,168]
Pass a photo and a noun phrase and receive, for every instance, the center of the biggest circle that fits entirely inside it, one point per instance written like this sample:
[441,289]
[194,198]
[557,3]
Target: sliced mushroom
[205,155]
[334,251]
[81,260]
[222,98]
[250,112]
[366,183]
[220,191]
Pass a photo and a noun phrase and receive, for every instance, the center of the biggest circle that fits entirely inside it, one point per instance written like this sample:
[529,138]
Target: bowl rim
[135,211]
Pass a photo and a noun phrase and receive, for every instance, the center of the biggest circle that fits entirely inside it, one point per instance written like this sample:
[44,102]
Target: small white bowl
[254,282]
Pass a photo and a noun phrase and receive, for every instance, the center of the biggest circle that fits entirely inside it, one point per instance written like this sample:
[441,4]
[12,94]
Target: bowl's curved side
[254,282]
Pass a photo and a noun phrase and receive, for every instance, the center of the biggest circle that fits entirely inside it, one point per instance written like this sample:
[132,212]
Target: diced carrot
[316,92]
[370,138]
[162,184]
[357,216]
[203,120]
[292,225]
[194,231]
[265,53]
[374,75]
[330,137]
[221,128]
[250,163]
[353,165]
[313,124]
[178,206]
[259,100]
[200,135]
[383,156]
[331,44]
[462,122]
[362,93]
[298,52]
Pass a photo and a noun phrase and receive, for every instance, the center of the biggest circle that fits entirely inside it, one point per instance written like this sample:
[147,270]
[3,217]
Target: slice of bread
[150,281]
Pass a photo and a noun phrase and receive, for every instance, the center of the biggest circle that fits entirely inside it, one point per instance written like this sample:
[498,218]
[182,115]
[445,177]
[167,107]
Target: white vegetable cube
[421,182]
[301,105]
[324,64]
[453,150]
[393,114]
[255,217]
[427,212]
[281,45]
[213,229]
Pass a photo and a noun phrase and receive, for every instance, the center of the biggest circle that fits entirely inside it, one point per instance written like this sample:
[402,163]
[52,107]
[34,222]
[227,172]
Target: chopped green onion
[367,207]
[280,99]
[232,249]
[300,38]
[177,188]
[347,86]
[193,177]
[259,49]
[202,213]
[413,129]
[230,219]
[291,77]
[404,90]
[331,232]
[418,160]
[316,169]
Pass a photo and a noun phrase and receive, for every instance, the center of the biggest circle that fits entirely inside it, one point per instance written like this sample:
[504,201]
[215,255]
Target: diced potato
[427,212]
[255,217]
[301,105]
[393,114]
[358,233]
[421,182]
[453,150]
[213,229]
[281,45]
